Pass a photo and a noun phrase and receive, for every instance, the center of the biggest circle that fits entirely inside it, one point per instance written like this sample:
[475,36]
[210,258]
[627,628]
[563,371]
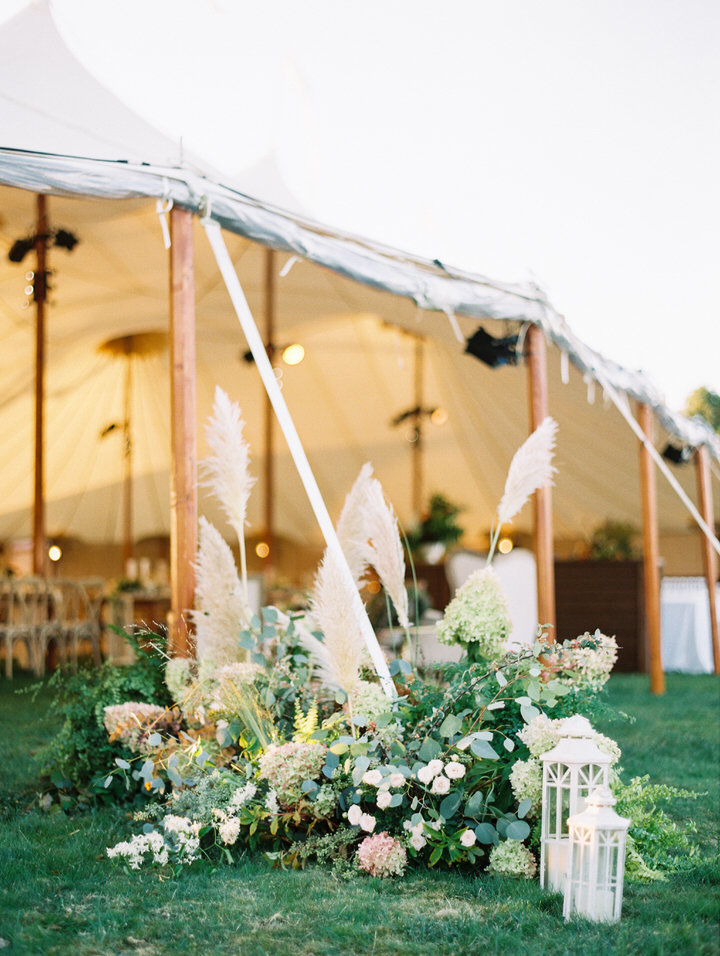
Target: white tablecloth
[686,634]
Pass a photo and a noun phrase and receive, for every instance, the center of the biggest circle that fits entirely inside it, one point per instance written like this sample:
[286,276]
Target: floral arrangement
[295,749]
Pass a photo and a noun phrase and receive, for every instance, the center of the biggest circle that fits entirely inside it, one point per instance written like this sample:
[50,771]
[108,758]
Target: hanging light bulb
[293,354]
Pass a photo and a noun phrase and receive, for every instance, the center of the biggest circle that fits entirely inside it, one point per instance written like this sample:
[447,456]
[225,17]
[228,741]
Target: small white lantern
[594,887]
[571,771]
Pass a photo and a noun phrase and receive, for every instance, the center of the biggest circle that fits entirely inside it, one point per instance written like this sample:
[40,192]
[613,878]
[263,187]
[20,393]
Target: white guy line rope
[294,444]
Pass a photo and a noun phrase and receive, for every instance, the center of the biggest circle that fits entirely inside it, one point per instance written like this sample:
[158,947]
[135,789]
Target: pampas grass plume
[338,664]
[352,526]
[220,607]
[385,550]
[530,469]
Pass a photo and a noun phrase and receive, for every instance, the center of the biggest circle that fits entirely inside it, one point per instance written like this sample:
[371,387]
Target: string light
[293,354]
[262,549]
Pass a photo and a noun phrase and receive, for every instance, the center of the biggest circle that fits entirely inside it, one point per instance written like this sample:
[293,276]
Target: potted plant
[437,530]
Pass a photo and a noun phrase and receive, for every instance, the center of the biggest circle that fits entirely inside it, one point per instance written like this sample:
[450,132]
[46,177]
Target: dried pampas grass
[221,609]
[384,550]
[352,529]
[226,472]
[338,657]
[530,469]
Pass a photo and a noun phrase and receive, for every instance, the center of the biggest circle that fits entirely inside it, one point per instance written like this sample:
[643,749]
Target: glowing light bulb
[54,552]
[505,546]
[293,354]
[262,549]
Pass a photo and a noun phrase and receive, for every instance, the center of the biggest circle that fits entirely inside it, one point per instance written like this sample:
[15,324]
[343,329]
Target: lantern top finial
[577,726]
[601,797]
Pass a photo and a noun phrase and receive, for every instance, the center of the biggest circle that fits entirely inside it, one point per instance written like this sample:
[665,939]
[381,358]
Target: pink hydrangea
[382,855]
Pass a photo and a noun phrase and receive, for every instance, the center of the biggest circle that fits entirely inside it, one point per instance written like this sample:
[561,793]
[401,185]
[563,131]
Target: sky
[572,142]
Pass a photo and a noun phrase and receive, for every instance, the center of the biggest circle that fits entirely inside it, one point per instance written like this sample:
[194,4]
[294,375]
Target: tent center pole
[536,358]
[39,542]
[183,455]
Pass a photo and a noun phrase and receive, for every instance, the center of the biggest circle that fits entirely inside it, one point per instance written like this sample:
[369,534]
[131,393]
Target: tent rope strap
[297,451]
[621,406]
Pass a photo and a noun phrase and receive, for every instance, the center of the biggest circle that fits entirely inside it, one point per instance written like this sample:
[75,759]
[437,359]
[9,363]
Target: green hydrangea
[369,701]
[511,858]
[477,618]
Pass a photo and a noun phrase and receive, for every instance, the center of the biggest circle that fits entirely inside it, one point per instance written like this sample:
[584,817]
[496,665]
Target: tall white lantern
[571,771]
[594,887]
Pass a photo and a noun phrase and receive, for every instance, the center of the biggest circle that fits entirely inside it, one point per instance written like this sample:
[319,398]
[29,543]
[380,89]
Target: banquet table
[686,634]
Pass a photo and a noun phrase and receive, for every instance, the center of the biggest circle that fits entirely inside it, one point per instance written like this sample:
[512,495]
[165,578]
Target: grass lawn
[60,894]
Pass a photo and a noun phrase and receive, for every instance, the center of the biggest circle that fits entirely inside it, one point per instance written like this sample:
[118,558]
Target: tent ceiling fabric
[349,301]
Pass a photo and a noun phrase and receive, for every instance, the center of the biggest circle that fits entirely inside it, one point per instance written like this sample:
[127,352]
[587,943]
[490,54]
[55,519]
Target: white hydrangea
[526,782]
[229,831]
[541,734]
[242,796]
[512,858]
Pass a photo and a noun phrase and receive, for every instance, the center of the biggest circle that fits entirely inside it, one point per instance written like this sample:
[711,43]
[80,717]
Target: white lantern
[571,771]
[594,887]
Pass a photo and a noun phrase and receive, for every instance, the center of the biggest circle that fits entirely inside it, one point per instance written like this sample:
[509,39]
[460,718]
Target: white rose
[373,778]
[440,785]
[383,799]
[467,838]
[354,814]
[396,780]
[367,822]
[455,770]
[418,841]
[425,775]
[435,767]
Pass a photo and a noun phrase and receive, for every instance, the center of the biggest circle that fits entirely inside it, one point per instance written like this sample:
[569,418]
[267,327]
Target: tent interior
[371,356]
[357,377]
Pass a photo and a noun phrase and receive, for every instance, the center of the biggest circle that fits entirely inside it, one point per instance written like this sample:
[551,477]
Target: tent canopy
[357,307]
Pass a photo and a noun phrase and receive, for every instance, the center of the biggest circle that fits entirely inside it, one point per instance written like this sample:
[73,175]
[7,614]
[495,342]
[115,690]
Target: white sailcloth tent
[356,306]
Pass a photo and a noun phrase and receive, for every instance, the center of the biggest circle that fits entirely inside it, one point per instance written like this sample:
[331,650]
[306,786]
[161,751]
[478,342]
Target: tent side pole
[39,543]
[710,563]
[417,448]
[183,483]
[651,551]
[536,357]
[269,414]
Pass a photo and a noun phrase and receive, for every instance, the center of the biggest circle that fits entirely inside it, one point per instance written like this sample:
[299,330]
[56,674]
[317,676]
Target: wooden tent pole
[536,358]
[710,561]
[39,542]
[269,519]
[651,551]
[127,545]
[183,468]
[417,451]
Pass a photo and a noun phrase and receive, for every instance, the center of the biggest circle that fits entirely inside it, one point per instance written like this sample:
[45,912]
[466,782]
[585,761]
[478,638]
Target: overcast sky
[575,142]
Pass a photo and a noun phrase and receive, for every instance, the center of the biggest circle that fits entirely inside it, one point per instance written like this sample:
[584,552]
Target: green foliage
[438,524]
[59,895]
[614,541]
[75,761]
[706,404]
[658,843]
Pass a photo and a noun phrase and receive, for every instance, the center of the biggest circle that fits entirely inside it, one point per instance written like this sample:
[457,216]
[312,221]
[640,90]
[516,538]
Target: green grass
[59,894]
